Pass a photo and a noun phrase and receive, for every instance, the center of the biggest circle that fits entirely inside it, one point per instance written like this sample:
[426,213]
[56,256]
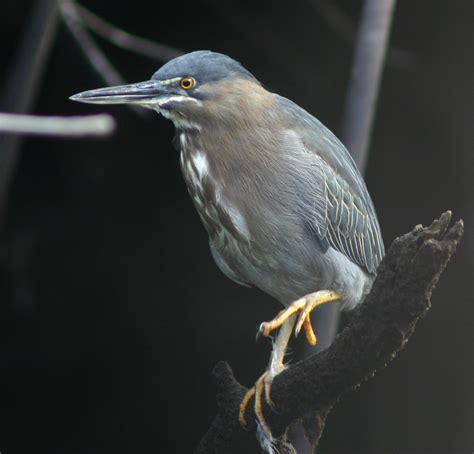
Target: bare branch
[125,40]
[101,125]
[94,55]
[92,52]
[22,85]
[342,24]
[378,330]
[369,59]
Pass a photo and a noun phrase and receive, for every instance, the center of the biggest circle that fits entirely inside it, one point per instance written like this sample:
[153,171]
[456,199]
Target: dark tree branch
[86,43]
[379,329]
[342,24]
[92,52]
[125,40]
[22,86]
[369,57]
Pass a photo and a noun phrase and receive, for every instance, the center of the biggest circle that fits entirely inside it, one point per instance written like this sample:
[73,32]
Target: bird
[283,203]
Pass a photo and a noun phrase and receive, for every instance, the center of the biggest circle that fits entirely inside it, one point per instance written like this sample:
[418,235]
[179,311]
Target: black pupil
[186,83]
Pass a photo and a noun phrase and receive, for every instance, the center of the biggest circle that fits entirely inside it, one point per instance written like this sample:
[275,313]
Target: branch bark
[378,330]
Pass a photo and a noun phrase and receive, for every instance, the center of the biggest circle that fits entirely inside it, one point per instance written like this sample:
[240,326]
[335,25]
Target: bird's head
[190,90]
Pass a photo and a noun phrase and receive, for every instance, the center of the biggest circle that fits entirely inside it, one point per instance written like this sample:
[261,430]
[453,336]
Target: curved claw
[264,330]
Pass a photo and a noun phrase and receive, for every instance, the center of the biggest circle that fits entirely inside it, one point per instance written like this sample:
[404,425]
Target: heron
[285,207]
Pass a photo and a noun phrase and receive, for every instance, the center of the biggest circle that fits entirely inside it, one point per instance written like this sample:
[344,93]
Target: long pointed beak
[139,93]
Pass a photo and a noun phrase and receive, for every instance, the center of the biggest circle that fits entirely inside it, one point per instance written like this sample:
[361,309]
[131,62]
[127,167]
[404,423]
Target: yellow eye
[186,83]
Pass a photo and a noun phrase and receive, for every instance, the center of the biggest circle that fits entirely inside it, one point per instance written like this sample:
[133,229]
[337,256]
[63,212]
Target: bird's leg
[264,383]
[276,365]
[304,306]
[285,320]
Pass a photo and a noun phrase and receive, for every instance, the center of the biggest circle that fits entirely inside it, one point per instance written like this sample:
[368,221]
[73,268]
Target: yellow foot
[262,386]
[284,320]
[304,306]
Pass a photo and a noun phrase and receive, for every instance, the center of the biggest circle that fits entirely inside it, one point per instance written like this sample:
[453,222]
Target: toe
[244,404]
[268,387]
[304,314]
[310,336]
[260,389]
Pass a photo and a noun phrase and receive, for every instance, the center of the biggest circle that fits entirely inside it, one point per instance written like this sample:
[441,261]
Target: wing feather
[338,209]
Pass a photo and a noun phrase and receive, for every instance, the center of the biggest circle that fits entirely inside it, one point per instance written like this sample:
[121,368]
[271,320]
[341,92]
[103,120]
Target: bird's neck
[238,142]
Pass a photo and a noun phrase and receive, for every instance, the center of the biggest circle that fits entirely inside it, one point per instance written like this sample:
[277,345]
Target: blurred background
[112,312]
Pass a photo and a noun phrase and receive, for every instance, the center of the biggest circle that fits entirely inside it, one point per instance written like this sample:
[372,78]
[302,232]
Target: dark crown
[205,66]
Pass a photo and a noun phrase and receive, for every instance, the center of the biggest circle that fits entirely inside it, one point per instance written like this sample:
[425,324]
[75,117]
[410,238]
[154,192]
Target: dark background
[112,312]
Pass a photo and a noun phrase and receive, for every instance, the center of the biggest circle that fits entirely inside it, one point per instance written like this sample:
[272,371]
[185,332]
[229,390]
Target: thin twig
[125,40]
[367,69]
[101,125]
[94,55]
[22,85]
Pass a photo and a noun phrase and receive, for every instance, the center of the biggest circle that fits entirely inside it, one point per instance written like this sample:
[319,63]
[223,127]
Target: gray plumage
[284,205]
[345,218]
[297,219]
